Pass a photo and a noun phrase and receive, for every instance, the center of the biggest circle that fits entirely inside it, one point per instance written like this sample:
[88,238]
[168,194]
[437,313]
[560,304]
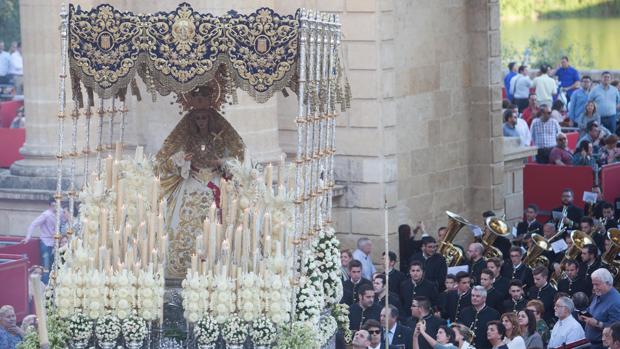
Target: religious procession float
[197,246]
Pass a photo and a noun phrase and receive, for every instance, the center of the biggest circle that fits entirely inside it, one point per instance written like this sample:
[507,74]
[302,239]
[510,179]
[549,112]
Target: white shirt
[17,64]
[566,331]
[367,267]
[391,334]
[5,63]
[545,88]
[520,86]
[524,132]
[516,343]
[377,347]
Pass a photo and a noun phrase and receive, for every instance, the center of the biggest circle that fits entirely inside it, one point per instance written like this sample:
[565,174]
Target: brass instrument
[609,257]
[534,257]
[451,253]
[494,227]
[579,239]
[561,226]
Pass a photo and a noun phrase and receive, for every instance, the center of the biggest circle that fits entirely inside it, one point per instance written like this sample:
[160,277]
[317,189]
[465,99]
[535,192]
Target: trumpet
[452,254]
[561,226]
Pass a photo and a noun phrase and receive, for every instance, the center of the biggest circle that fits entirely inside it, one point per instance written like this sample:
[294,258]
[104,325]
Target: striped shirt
[543,133]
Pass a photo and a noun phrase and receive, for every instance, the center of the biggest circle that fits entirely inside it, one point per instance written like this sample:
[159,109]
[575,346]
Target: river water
[600,33]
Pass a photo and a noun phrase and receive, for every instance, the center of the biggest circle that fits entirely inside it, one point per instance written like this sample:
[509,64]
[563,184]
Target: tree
[9,21]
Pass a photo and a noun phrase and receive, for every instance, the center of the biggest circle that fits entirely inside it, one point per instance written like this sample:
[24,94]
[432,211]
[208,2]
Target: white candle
[154,194]
[238,237]
[118,154]
[212,212]
[269,178]
[139,153]
[103,233]
[39,306]
[115,247]
[163,247]
[140,209]
[233,212]
[212,243]
[224,199]
[194,262]
[267,246]
[154,256]
[108,172]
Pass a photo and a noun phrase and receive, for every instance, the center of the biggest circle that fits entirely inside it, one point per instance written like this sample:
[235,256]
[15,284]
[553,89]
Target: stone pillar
[515,157]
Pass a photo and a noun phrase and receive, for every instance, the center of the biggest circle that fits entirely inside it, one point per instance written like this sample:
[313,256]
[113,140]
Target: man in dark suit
[477,316]
[417,285]
[543,291]
[573,213]
[501,284]
[574,281]
[516,302]
[458,299]
[530,225]
[435,267]
[517,270]
[421,310]
[364,309]
[476,261]
[398,335]
[350,287]
[396,277]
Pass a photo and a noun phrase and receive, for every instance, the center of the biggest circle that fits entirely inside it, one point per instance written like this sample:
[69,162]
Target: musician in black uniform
[494,298]
[350,287]
[517,270]
[396,277]
[501,283]
[587,226]
[517,301]
[573,282]
[573,213]
[458,299]
[476,261]
[378,284]
[595,210]
[364,309]
[421,310]
[435,267]
[608,216]
[543,291]
[530,225]
[417,285]
[478,315]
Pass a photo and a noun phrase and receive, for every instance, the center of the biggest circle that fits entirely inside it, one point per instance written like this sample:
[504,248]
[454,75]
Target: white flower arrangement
[95,294]
[248,300]
[150,294]
[327,251]
[310,299]
[234,330]
[327,328]
[341,314]
[66,292]
[108,328]
[276,295]
[263,331]
[195,296]
[134,329]
[80,327]
[206,331]
[223,298]
[123,293]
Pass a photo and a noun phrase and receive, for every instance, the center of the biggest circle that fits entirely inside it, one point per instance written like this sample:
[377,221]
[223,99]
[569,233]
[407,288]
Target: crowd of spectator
[12,66]
[514,302]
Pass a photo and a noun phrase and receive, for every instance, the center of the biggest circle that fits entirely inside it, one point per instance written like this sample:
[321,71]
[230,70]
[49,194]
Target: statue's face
[201,118]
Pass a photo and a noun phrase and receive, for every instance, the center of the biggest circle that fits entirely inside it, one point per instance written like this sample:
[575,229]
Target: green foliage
[546,49]
[9,21]
[558,8]
[57,335]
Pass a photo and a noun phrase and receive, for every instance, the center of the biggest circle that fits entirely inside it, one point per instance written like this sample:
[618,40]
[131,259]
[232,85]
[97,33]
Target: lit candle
[115,168]
[152,231]
[144,243]
[212,243]
[103,259]
[129,257]
[163,247]
[194,262]
[291,178]
[93,180]
[267,246]
[281,169]
[225,252]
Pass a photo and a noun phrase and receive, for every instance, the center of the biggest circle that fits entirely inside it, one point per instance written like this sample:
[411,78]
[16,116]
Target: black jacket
[510,305]
[357,316]
[432,325]
[349,291]
[523,273]
[425,288]
[476,269]
[573,213]
[396,278]
[571,287]
[477,322]
[546,295]
[454,305]
[435,268]
[525,228]
[403,336]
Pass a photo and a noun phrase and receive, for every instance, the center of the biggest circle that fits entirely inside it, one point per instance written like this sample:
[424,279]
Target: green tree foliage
[9,21]
[558,8]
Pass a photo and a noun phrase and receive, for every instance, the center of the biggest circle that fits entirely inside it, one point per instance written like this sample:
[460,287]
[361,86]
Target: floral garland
[327,328]
[223,298]
[249,302]
[263,331]
[327,250]
[122,293]
[80,327]
[95,294]
[310,299]
[195,296]
[134,329]
[108,328]
[206,330]
[276,296]
[234,331]
[341,314]
[150,295]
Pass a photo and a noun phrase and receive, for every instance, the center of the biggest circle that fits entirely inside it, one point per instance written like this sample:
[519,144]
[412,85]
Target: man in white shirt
[520,88]
[567,329]
[362,254]
[545,87]
[17,69]
[5,64]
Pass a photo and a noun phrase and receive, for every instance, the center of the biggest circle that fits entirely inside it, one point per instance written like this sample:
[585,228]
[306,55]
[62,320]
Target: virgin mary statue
[190,168]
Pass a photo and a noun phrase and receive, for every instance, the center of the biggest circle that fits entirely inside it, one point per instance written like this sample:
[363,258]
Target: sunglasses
[375,332]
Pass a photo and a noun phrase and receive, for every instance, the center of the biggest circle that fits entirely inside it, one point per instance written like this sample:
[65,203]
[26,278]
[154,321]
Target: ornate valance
[180,50]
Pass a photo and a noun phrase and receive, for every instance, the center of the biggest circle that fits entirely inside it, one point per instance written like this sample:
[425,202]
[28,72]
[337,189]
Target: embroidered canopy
[180,50]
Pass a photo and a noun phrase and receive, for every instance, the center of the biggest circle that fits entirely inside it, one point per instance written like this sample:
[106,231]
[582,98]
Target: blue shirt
[605,309]
[8,340]
[5,63]
[577,104]
[567,76]
[507,79]
[510,131]
[606,99]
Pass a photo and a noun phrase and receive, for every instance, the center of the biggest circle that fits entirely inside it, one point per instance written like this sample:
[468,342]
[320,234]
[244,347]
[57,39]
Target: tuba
[534,257]
[609,257]
[451,253]
[579,239]
[494,227]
